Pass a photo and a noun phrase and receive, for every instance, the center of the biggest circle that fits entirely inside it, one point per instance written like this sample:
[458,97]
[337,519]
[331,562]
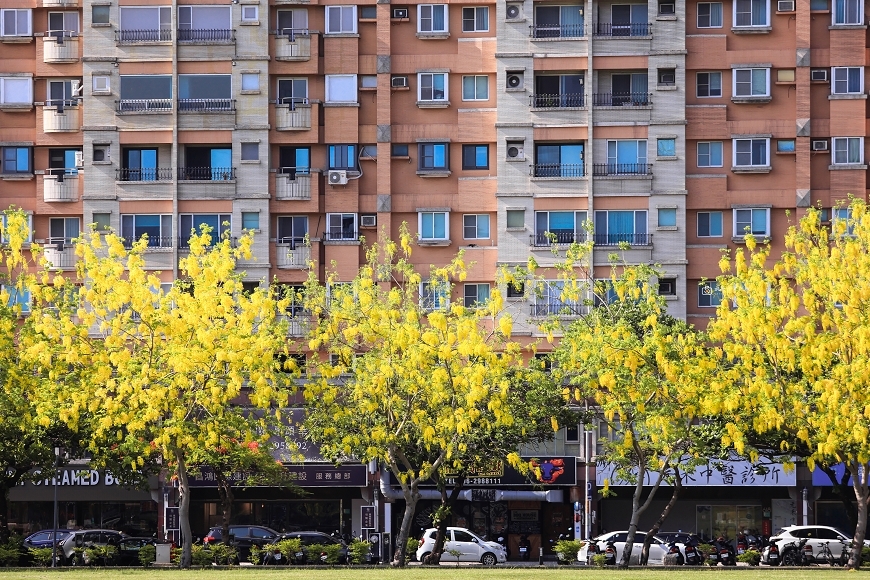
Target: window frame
[542,237]
[709,154]
[475,149]
[710,215]
[328,20]
[445,97]
[734,158]
[329,233]
[349,152]
[475,88]
[670,213]
[835,141]
[164,220]
[5,237]
[476,302]
[5,79]
[17,33]
[835,13]
[329,80]
[255,18]
[423,155]
[766,24]
[708,84]
[475,227]
[434,296]
[847,69]
[293,220]
[714,290]
[421,216]
[739,232]
[474,19]
[710,14]
[431,17]
[751,94]
[18,151]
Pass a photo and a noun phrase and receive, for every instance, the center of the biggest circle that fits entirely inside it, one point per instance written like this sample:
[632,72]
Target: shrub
[289,548]
[12,550]
[358,551]
[199,556]
[224,555]
[41,556]
[147,555]
[256,555]
[99,555]
[751,557]
[411,549]
[599,560]
[566,550]
[332,552]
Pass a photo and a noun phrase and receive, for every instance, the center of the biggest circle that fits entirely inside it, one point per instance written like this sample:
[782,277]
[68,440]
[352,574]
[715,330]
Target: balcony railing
[557,31]
[184,242]
[616,239]
[293,183]
[206,173]
[291,34]
[144,174]
[622,99]
[132,36]
[206,105]
[292,253]
[216,35]
[543,239]
[144,105]
[556,308]
[559,170]
[154,243]
[634,29]
[556,101]
[622,169]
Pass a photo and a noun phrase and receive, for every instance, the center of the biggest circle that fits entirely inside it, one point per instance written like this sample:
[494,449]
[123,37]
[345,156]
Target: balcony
[60,254]
[206,105]
[184,243]
[155,244]
[60,186]
[562,238]
[609,29]
[143,36]
[604,169]
[293,115]
[557,308]
[298,322]
[557,31]
[207,173]
[292,44]
[559,170]
[60,3]
[60,46]
[290,184]
[622,99]
[61,117]
[207,36]
[144,174]
[292,255]
[144,105]
[617,239]
[563,101]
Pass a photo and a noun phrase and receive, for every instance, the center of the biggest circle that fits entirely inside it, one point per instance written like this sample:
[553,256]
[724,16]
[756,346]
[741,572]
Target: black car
[43,538]
[242,537]
[312,538]
[128,550]
[679,538]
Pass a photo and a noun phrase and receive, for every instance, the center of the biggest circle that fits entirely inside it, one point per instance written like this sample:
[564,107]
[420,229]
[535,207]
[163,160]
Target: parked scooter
[610,554]
[693,556]
[773,556]
[525,547]
[725,551]
[674,556]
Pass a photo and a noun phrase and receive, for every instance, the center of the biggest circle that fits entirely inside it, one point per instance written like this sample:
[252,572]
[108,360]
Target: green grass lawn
[418,573]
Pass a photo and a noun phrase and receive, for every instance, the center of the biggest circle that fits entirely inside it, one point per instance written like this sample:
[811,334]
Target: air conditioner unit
[337,177]
[513,11]
[79,159]
[400,12]
[515,152]
[667,9]
[514,81]
[398,82]
[785,6]
[820,145]
[368,221]
[819,74]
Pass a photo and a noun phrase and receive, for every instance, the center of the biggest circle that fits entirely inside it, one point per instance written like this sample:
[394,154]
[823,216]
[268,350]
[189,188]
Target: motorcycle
[693,556]
[610,554]
[807,556]
[725,551]
[773,555]
[525,548]
[742,544]
[674,557]
[273,557]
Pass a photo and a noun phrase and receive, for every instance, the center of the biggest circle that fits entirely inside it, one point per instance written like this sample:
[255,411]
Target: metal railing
[144,105]
[60,35]
[222,35]
[622,169]
[621,99]
[291,33]
[616,239]
[144,174]
[292,102]
[154,35]
[557,31]
[556,308]
[184,242]
[164,242]
[61,104]
[556,101]
[558,170]
[207,173]
[200,105]
[292,172]
[633,29]
[563,237]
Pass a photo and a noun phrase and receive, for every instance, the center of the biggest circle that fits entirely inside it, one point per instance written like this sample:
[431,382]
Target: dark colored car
[43,538]
[83,539]
[312,538]
[128,550]
[242,538]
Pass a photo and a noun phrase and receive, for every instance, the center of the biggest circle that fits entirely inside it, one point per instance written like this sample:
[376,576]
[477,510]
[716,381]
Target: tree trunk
[678,488]
[411,499]
[184,511]
[4,509]
[445,510]
[844,491]
[862,494]
[225,491]
[637,508]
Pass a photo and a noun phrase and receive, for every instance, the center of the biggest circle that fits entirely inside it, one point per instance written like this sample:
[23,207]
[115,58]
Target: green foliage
[99,555]
[41,556]
[147,555]
[255,556]
[332,551]
[224,554]
[751,557]
[11,551]
[599,560]
[358,551]
[200,556]
[411,549]
[566,550]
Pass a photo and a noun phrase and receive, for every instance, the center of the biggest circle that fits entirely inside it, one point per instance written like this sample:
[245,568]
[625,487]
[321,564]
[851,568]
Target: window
[146,93]
[432,86]
[559,21]
[16,160]
[559,227]
[434,295]
[667,77]
[475,226]
[292,22]
[476,295]
[292,229]
[100,83]
[667,287]
[100,14]
[708,84]
[19,298]
[368,81]
[341,89]
[751,82]
[710,154]
[709,294]
[848,12]
[295,91]
[666,147]
[433,156]
[59,22]
[250,82]
[208,164]
[755,221]
[572,432]
[102,221]
[29,233]
[709,15]
[205,92]
[368,12]
[16,22]
[475,88]
[63,161]
[368,152]
[343,157]
[844,214]
[139,164]
[475,157]
[627,157]
[205,23]
[818,4]
[341,20]
[751,152]
[515,219]
[627,88]
[549,299]
[559,160]
[785,145]
[516,289]
[341,226]
[250,13]
[158,228]
[251,220]
[847,80]
[667,217]
[475,19]
[16,91]
[432,18]
[709,224]
[620,226]
[62,230]
[433,225]
[250,151]
[749,13]
[218,225]
[848,150]
[145,23]
[555,91]
[399,150]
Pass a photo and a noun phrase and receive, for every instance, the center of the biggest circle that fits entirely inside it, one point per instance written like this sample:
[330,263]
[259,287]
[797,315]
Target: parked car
[43,538]
[242,537]
[310,538]
[682,538]
[657,549]
[471,547]
[84,539]
[128,550]
[788,537]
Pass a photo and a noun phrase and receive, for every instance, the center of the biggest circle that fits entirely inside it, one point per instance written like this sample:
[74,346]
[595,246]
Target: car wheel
[424,558]
[488,559]
[790,558]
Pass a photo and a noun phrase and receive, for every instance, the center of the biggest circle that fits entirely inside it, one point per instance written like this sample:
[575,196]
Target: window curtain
[759,12]
[438,18]
[620,227]
[759,81]
[571,20]
[639,88]
[715,15]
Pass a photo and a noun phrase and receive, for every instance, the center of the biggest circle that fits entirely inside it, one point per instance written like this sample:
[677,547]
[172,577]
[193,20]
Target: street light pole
[54,529]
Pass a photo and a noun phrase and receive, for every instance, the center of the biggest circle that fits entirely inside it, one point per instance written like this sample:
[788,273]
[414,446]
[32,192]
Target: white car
[471,548]
[657,550]
[787,538]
